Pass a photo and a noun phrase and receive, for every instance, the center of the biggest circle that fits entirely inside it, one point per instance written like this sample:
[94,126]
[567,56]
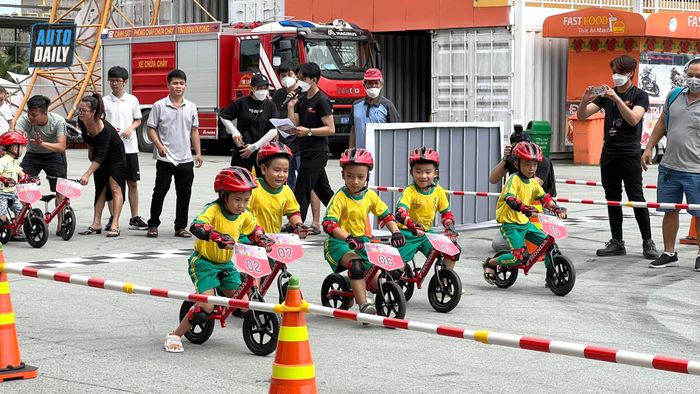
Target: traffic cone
[11,365]
[692,238]
[293,371]
[368,227]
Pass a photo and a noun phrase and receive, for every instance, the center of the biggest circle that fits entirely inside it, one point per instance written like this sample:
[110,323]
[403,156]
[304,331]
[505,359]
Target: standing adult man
[122,111]
[173,128]
[374,108]
[46,150]
[288,75]
[312,112]
[624,107]
[253,114]
[679,171]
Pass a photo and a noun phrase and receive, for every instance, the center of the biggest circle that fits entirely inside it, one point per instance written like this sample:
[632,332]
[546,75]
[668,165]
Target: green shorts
[207,275]
[334,250]
[516,234]
[413,245]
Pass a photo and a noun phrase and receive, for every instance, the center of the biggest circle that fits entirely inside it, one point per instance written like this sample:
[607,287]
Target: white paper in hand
[284,126]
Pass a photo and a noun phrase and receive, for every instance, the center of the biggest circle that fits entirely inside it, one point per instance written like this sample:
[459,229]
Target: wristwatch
[309,133]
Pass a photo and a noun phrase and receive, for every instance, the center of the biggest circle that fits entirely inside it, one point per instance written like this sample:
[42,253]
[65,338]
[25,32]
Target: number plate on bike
[553,226]
[252,260]
[384,256]
[442,244]
[287,248]
[68,188]
[28,192]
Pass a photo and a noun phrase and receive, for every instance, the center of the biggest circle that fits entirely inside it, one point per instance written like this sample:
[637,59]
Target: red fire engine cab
[220,60]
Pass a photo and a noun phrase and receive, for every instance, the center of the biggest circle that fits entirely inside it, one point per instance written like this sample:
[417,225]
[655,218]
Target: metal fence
[468,150]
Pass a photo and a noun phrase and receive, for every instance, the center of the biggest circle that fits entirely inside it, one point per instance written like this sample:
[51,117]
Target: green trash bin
[540,133]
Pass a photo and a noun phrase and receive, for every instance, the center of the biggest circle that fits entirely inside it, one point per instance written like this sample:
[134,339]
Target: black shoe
[697,264]
[666,261]
[649,250]
[137,223]
[613,247]
[109,224]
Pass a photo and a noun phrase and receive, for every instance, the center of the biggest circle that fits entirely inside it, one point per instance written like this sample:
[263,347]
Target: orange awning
[594,22]
[674,25]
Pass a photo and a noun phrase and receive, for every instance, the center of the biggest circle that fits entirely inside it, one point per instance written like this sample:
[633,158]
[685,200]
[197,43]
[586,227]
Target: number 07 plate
[287,248]
[384,256]
[252,260]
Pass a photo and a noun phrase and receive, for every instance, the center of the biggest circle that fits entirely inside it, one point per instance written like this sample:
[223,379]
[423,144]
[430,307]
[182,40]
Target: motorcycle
[648,83]
[677,79]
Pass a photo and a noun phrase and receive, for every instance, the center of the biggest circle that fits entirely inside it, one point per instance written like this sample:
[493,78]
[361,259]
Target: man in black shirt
[254,129]
[288,75]
[312,112]
[624,107]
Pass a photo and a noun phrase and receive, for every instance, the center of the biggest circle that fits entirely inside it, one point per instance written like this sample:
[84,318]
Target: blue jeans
[672,185]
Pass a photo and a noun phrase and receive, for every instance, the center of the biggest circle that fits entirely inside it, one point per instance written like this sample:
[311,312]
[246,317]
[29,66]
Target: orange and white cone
[692,238]
[11,365]
[293,371]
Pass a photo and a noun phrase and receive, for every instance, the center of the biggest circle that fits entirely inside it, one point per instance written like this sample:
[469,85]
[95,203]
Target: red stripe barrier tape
[594,183]
[628,204]
[484,336]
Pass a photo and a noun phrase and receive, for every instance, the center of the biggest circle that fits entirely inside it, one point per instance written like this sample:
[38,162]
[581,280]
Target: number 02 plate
[252,260]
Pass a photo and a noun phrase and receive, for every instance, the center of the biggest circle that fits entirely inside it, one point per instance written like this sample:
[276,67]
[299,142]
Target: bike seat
[48,197]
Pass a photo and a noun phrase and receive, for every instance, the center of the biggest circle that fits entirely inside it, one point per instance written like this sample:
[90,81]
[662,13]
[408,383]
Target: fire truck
[220,60]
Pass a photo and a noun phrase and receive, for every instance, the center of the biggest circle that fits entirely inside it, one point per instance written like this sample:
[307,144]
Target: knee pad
[356,270]
[197,316]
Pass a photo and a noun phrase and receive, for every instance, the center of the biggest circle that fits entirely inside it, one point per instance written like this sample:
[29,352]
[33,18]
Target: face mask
[693,85]
[304,86]
[288,82]
[373,92]
[620,79]
[260,95]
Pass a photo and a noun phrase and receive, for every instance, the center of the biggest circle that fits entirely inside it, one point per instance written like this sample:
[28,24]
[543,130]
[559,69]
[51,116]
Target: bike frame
[547,246]
[49,215]
[368,279]
[420,276]
[18,221]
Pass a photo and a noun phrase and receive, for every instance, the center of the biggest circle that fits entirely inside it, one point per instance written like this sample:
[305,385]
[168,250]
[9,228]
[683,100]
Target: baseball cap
[373,74]
[259,80]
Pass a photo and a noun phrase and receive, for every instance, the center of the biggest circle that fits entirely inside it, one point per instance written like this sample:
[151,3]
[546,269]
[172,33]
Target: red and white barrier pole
[628,204]
[594,183]
[663,363]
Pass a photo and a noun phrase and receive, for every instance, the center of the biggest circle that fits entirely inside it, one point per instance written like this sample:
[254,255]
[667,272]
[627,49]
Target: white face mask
[260,95]
[373,92]
[620,79]
[304,86]
[288,82]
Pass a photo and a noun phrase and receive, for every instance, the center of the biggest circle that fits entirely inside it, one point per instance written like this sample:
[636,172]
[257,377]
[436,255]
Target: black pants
[312,176]
[184,176]
[247,163]
[615,169]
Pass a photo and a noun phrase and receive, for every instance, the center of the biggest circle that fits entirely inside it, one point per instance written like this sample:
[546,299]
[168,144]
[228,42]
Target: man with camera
[624,107]
[544,176]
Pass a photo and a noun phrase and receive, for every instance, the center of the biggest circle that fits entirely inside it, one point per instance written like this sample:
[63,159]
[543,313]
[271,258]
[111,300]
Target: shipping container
[472,76]
[245,11]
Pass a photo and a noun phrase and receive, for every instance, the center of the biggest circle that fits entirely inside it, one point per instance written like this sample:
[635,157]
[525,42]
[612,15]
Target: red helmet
[357,156]
[12,138]
[234,179]
[425,155]
[373,74]
[273,149]
[527,150]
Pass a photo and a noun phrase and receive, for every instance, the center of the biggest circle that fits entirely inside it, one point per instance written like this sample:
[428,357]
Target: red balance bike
[35,229]
[561,275]
[260,329]
[390,300]
[69,188]
[445,287]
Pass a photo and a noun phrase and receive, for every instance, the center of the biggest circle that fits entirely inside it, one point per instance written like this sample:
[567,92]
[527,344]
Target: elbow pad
[201,231]
[513,203]
[402,215]
[386,219]
[329,226]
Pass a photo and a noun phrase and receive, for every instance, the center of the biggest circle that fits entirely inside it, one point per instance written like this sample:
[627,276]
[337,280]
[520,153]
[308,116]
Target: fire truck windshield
[339,55]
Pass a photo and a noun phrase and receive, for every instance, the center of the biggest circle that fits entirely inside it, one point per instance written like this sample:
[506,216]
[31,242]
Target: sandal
[313,230]
[113,233]
[91,231]
[489,277]
[173,344]
[182,233]
[152,232]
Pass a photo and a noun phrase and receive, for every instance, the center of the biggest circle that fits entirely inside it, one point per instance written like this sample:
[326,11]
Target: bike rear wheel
[444,296]
[200,333]
[561,276]
[68,223]
[338,283]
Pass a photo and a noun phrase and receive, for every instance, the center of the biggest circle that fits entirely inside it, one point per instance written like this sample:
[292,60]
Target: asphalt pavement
[88,340]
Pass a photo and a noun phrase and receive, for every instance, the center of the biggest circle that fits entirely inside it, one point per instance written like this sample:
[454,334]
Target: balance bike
[390,300]
[68,188]
[35,229]
[445,287]
[561,275]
